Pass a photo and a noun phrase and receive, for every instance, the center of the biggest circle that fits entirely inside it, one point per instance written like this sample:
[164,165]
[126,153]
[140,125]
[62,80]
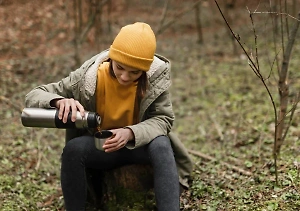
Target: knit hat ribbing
[134,46]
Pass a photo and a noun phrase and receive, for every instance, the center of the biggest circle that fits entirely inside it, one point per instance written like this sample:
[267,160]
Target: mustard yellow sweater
[114,102]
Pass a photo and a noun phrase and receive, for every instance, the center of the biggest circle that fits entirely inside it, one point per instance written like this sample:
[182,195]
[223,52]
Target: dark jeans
[81,153]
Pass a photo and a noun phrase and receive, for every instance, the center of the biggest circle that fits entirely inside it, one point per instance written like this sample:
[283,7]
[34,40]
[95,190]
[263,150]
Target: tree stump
[126,188]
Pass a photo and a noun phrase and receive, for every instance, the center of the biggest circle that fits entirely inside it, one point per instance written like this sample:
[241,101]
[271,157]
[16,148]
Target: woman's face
[125,75]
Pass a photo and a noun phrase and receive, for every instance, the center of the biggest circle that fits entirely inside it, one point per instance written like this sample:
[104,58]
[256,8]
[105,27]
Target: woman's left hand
[119,139]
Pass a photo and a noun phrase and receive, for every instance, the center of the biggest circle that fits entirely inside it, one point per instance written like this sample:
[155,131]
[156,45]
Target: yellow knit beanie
[134,46]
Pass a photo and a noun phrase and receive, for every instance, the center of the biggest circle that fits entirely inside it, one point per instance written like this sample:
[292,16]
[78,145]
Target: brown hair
[141,89]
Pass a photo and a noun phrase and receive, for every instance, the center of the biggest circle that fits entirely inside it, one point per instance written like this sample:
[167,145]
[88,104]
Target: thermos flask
[48,118]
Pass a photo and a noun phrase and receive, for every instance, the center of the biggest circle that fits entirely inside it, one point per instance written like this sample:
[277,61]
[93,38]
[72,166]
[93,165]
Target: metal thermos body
[48,118]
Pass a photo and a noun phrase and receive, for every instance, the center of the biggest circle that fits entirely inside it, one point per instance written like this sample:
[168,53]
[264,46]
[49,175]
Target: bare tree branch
[277,13]
[255,40]
[292,112]
[256,70]
[91,20]
[168,24]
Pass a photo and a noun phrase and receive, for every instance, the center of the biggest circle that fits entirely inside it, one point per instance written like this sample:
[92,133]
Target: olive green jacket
[156,113]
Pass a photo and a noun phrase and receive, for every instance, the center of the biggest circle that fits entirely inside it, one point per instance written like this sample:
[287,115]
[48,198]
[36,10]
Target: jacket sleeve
[158,121]
[41,96]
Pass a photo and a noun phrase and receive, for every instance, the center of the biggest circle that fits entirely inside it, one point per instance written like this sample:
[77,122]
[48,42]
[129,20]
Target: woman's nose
[125,76]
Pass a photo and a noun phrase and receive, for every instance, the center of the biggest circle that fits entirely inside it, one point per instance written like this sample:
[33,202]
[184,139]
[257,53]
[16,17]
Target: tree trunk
[125,188]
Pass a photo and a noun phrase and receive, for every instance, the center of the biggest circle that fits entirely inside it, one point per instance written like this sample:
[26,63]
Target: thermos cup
[48,118]
[100,138]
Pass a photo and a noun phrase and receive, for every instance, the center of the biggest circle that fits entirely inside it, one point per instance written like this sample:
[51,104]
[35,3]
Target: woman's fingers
[73,107]
[80,108]
[119,139]
[67,105]
[66,111]
[114,144]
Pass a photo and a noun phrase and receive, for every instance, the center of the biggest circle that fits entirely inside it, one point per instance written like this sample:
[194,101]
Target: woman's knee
[161,153]
[160,143]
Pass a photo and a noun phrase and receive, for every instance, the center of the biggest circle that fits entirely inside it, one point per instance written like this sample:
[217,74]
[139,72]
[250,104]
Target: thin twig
[207,157]
[275,27]
[278,13]
[256,70]
[291,115]
[237,39]
[168,24]
[255,39]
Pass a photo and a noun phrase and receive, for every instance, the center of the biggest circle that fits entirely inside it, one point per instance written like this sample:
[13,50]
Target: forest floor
[224,115]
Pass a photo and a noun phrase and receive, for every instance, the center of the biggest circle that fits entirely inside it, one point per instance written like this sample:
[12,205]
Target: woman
[127,85]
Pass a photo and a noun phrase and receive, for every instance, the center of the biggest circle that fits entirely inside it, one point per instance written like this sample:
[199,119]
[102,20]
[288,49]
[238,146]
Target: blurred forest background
[229,102]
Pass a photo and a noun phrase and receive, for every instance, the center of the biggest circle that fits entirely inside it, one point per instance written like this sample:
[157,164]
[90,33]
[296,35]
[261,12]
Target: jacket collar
[159,66]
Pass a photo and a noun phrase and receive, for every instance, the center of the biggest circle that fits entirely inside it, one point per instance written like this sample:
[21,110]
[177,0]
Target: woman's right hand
[66,105]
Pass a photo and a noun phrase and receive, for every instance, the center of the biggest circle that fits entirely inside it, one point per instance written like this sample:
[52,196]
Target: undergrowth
[222,111]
